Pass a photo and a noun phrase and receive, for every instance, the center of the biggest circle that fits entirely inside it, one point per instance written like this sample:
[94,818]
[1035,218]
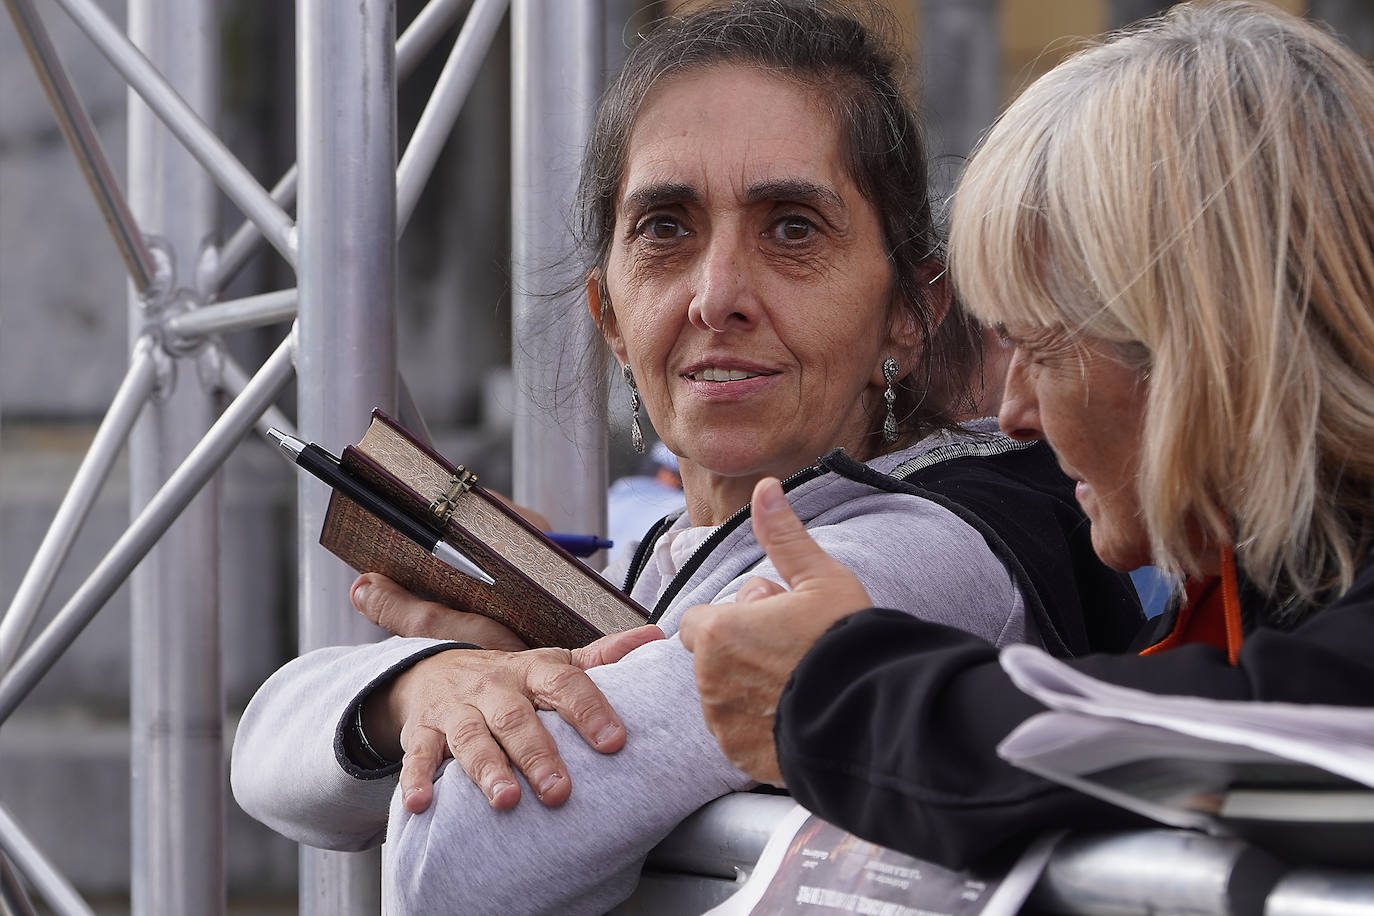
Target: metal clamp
[458,484]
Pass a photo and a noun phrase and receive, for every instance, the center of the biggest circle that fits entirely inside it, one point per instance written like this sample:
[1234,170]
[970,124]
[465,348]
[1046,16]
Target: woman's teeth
[723,375]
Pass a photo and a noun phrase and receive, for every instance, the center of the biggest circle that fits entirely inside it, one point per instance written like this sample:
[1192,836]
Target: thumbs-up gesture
[744,653]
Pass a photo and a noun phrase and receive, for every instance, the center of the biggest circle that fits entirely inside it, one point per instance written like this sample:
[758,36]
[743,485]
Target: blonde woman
[1175,231]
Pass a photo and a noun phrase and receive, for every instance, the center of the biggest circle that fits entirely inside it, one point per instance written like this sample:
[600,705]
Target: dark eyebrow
[795,189]
[656,195]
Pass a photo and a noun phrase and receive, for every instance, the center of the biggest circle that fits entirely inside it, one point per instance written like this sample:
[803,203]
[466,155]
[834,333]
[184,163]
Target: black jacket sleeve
[888,726]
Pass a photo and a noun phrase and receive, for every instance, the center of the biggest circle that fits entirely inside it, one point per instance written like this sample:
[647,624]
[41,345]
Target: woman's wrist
[360,747]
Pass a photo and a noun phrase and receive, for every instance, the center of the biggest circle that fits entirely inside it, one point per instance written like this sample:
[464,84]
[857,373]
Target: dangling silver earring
[636,434]
[890,396]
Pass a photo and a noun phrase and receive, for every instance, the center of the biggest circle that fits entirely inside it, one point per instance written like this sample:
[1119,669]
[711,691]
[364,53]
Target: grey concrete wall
[62,283]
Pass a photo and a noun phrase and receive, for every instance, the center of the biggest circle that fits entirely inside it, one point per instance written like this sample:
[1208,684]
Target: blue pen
[579,545]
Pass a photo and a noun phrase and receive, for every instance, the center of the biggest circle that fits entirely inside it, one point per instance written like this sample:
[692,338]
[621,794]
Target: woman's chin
[1119,550]
[733,467]
[730,453]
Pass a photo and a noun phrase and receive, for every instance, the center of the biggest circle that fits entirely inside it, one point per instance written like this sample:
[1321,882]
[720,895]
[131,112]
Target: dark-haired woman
[761,265]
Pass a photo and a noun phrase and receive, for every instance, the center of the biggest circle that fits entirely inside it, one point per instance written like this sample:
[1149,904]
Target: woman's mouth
[714,374]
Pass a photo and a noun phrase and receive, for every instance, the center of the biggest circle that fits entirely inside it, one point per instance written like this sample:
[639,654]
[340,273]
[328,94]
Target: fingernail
[769,498]
[499,788]
[748,591]
[607,734]
[406,793]
[548,784]
[360,594]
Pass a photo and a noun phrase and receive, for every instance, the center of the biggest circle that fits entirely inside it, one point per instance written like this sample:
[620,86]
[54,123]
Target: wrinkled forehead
[727,130]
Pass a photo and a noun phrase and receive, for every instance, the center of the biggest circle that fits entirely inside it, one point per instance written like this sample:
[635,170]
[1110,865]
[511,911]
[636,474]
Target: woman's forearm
[585,855]
[286,768]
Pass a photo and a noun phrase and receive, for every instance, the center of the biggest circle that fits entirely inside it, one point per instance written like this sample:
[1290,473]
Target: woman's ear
[939,295]
[599,304]
[905,333]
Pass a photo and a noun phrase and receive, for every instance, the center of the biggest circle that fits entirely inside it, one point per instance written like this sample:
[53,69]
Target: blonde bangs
[1000,222]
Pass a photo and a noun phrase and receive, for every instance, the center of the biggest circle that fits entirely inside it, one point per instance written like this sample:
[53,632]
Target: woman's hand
[399,612]
[743,657]
[478,706]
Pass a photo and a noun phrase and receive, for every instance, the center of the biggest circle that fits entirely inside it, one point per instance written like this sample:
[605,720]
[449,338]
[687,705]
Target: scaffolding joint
[157,324]
[149,346]
[166,300]
[163,280]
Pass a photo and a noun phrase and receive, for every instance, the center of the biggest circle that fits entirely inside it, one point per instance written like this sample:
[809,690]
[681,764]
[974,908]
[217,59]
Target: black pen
[325,466]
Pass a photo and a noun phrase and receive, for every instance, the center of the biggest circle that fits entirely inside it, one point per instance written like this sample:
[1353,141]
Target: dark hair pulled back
[850,60]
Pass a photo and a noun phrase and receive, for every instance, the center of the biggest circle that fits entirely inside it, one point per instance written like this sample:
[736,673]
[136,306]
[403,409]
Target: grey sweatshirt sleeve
[584,857]
[462,856]
[285,770]
[919,557]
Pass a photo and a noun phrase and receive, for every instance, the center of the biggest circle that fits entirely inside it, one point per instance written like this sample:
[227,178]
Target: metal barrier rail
[1145,872]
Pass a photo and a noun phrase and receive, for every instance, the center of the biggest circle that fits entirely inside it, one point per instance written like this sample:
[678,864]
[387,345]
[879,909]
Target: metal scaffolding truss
[352,202]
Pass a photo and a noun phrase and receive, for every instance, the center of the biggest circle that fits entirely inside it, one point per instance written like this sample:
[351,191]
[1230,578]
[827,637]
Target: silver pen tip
[461,562]
[288,444]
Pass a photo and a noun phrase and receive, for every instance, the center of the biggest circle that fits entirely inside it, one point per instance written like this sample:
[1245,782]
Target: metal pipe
[723,838]
[1322,892]
[1128,872]
[235,253]
[181,119]
[346,360]
[445,102]
[176,697]
[556,77]
[233,379]
[234,315]
[85,143]
[1156,871]
[109,441]
[422,34]
[14,899]
[55,890]
[155,518]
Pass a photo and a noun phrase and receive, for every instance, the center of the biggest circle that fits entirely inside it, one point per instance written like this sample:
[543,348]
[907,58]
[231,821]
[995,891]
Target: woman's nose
[724,299]
[1019,415]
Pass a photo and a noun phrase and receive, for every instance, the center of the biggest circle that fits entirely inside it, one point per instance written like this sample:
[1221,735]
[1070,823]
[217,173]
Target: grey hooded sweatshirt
[460,855]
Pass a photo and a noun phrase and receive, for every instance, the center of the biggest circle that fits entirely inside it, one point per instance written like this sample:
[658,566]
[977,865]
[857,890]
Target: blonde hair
[1200,192]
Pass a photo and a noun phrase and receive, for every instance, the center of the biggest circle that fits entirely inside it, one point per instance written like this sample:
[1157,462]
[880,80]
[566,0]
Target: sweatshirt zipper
[642,552]
[699,555]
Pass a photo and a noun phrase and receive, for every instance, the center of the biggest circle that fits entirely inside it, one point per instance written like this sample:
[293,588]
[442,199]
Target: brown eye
[661,227]
[794,229]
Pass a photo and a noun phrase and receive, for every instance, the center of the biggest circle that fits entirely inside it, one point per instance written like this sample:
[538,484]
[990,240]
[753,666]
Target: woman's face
[1090,408]
[748,280]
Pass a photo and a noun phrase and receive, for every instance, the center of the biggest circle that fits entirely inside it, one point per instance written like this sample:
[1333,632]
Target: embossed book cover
[542,593]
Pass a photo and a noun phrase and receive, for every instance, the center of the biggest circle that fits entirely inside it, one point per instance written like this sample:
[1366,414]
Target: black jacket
[888,726]
[1023,505]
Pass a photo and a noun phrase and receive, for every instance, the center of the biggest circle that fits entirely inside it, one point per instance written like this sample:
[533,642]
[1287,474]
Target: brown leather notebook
[542,592]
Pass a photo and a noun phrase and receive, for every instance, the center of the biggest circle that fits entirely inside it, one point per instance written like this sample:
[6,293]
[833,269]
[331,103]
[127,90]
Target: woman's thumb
[793,553]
